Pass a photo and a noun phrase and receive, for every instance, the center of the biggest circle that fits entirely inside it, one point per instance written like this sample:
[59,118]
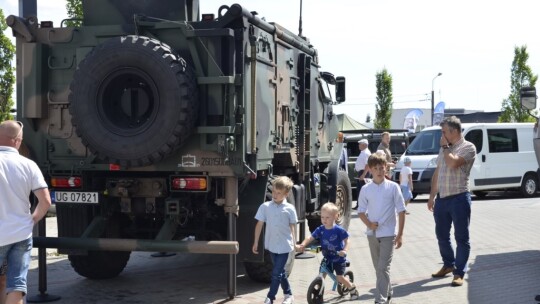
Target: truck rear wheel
[133,102]
[100,264]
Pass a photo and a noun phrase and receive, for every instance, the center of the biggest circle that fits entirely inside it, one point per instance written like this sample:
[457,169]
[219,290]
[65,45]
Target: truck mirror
[340,89]
[528,97]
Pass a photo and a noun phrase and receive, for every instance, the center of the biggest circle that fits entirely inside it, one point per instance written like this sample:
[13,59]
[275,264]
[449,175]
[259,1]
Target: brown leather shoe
[443,272]
[457,281]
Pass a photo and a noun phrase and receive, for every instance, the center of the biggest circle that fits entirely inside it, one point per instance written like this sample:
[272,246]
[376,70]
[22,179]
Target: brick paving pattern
[504,266]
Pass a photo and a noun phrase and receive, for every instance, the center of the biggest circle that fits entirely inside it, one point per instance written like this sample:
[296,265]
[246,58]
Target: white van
[505,158]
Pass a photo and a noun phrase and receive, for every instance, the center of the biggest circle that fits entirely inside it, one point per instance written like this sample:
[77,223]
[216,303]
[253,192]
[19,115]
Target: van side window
[476,137]
[502,140]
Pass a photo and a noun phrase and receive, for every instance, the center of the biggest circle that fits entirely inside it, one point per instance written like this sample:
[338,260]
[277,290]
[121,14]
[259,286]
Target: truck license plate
[74,197]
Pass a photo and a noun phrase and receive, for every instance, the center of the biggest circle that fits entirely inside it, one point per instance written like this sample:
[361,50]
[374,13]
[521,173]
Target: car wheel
[529,185]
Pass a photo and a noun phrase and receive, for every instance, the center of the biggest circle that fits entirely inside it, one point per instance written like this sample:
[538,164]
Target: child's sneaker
[289,299]
[354,293]
[267,301]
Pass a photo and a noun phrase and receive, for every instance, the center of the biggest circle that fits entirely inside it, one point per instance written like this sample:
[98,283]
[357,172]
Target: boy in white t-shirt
[406,181]
[381,208]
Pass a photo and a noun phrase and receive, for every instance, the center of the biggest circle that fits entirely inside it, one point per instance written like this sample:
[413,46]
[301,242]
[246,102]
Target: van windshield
[425,143]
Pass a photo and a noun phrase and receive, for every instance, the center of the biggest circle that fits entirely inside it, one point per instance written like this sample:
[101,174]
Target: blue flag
[438,113]
[411,119]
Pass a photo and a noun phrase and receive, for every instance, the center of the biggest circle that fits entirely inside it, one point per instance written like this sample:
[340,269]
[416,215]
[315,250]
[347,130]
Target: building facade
[466,116]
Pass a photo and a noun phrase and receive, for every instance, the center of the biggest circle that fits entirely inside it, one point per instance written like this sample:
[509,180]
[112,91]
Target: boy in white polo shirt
[280,236]
[378,204]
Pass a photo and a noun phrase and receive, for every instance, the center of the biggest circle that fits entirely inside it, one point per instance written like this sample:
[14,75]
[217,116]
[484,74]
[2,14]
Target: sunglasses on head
[20,131]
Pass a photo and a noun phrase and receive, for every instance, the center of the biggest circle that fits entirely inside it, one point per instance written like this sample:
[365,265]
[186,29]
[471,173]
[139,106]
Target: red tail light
[189,183]
[66,182]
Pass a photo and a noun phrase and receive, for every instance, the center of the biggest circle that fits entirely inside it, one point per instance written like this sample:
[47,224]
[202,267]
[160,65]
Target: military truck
[153,125]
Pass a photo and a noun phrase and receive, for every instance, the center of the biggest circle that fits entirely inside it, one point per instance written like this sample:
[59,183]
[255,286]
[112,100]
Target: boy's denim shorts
[18,262]
[337,267]
[406,191]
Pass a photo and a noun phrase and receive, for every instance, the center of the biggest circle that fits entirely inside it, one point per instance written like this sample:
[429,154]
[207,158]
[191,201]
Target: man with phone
[450,199]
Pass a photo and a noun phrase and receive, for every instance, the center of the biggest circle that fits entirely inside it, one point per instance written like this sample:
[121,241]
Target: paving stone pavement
[504,266]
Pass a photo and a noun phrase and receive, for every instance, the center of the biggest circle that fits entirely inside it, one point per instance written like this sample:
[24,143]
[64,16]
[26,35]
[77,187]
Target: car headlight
[432,163]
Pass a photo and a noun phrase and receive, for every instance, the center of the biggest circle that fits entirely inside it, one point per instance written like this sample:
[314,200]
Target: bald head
[11,133]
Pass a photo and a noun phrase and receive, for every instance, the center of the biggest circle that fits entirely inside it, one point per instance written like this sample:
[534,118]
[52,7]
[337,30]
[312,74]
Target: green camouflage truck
[153,124]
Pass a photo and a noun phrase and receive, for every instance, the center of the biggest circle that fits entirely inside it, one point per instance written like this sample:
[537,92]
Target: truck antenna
[300,21]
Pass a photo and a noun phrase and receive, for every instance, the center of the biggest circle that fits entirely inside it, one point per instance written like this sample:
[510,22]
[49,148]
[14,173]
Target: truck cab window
[324,91]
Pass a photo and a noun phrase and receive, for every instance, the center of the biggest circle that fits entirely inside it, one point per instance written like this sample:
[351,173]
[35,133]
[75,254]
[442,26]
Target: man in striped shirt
[450,199]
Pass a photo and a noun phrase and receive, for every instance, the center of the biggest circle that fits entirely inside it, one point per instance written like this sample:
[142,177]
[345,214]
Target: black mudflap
[72,220]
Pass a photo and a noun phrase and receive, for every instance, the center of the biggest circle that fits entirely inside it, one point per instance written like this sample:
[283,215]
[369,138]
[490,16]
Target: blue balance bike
[315,292]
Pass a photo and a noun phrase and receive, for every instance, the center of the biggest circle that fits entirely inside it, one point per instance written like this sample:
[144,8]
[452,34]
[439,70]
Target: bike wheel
[316,291]
[342,290]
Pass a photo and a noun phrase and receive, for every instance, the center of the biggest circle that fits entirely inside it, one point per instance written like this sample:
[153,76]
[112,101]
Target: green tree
[383,108]
[7,76]
[521,76]
[75,12]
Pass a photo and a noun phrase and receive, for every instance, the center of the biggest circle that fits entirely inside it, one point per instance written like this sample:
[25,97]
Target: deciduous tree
[7,76]
[521,76]
[74,11]
[383,108]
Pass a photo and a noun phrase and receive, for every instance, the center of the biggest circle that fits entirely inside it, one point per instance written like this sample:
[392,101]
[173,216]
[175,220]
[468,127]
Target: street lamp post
[433,97]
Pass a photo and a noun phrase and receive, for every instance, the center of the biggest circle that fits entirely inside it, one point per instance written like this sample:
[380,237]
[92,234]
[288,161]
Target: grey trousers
[382,251]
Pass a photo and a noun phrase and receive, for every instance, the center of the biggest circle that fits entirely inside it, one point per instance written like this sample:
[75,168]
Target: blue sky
[470,42]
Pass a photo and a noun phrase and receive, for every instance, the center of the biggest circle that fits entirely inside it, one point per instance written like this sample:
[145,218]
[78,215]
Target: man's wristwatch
[445,147]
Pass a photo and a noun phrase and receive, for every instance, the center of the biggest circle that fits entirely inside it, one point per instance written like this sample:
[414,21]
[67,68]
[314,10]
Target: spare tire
[133,102]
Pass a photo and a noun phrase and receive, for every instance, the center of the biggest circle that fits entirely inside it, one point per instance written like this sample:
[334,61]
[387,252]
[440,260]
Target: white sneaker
[289,299]
[354,293]
[267,301]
